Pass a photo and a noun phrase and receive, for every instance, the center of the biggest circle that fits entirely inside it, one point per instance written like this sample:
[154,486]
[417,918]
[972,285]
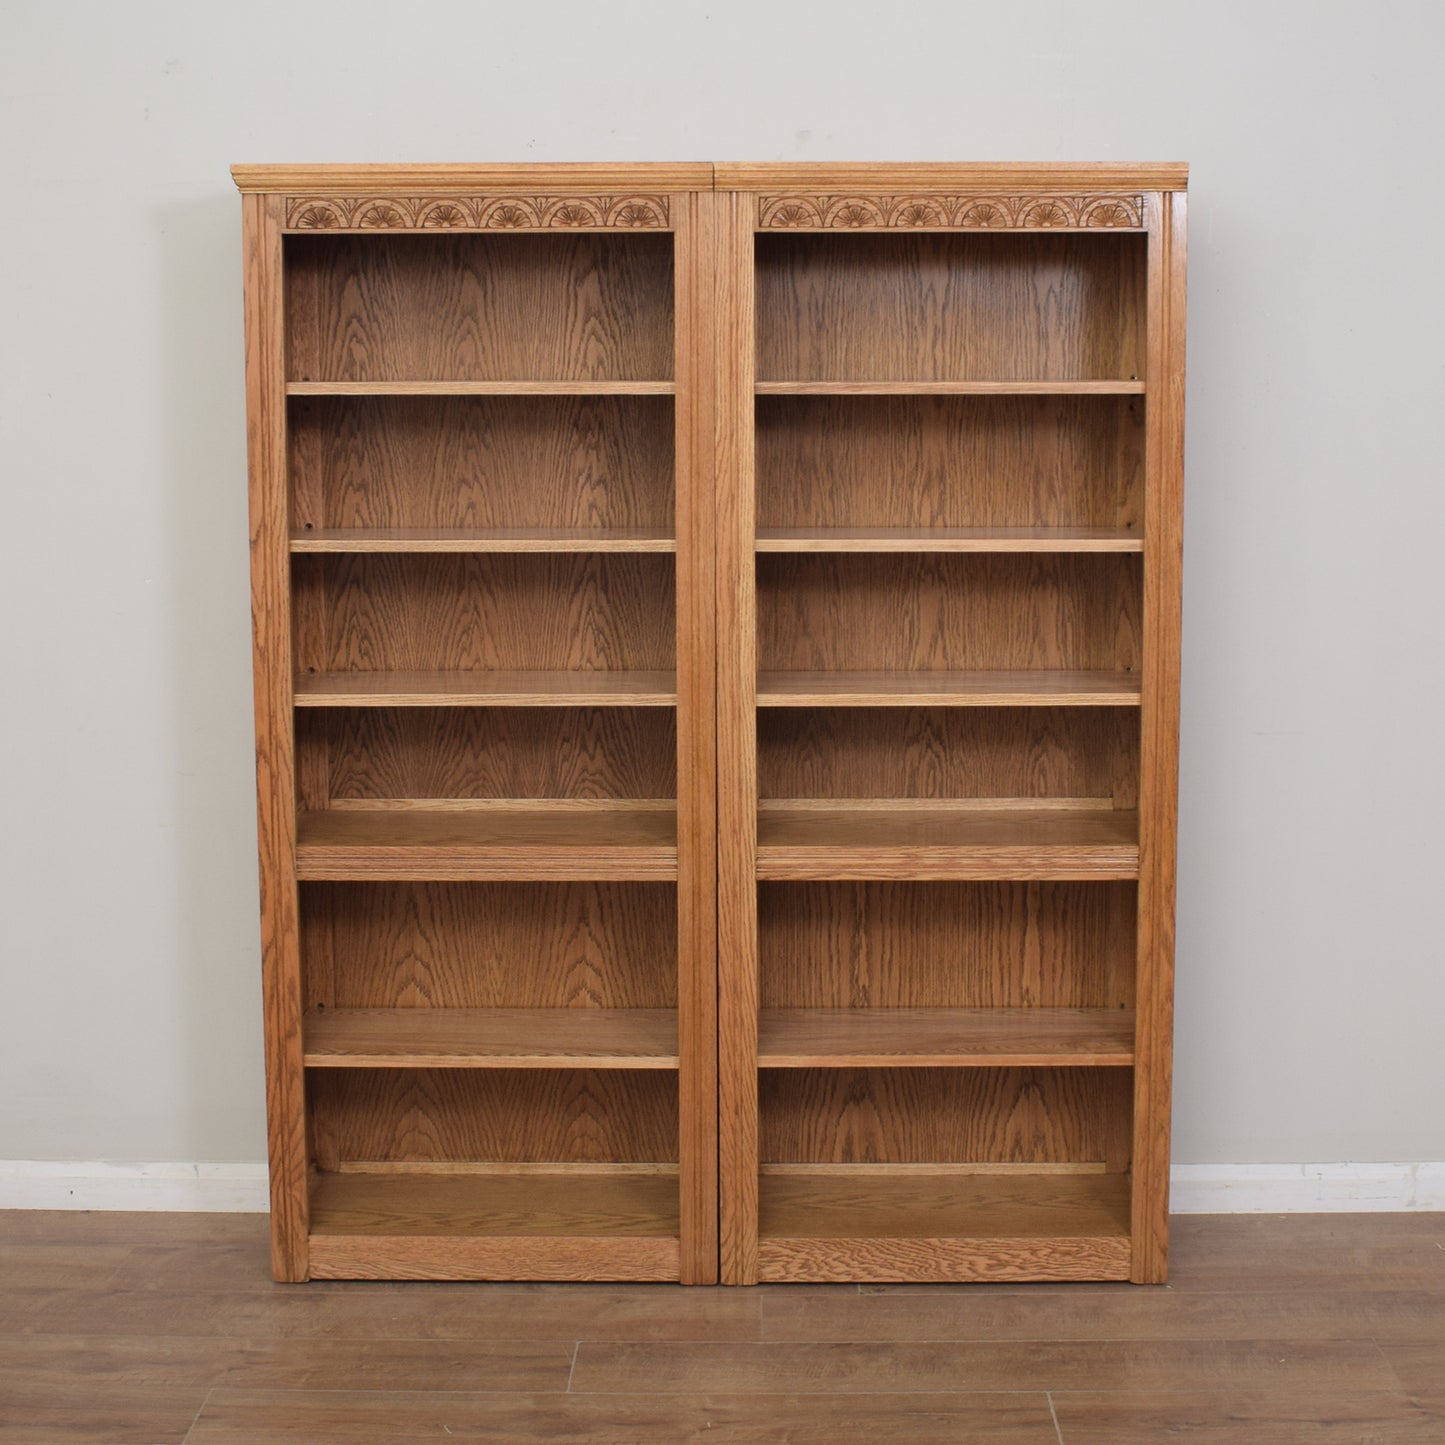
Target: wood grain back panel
[454,1116]
[950,461]
[443,613]
[975,1116]
[912,612]
[959,307]
[482,462]
[489,945]
[946,945]
[565,307]
[939,753]
[477,753]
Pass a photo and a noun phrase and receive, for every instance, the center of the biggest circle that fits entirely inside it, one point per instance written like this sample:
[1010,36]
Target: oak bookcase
[716,638]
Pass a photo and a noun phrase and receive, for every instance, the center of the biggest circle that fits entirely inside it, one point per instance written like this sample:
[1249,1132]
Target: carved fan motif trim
[936,212]
[475,213]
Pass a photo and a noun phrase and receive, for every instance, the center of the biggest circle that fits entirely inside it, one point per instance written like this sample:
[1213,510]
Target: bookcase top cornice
[836,177]
[524,178]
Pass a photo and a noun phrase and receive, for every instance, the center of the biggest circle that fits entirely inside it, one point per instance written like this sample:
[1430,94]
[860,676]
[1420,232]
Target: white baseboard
[67,1184]
[1304,1188]
[1194,1188]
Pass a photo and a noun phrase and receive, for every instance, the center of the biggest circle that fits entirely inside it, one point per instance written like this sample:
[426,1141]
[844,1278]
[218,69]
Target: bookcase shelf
[494,1038]
[947,539]
[1044,688]
[480,388]
[903,841]
[1128,386]
[494,689]
[924,1224]
[511,539]
[514,841]
[944,1037]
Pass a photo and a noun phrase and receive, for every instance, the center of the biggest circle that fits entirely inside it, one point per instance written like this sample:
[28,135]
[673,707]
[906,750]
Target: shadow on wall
[212,806]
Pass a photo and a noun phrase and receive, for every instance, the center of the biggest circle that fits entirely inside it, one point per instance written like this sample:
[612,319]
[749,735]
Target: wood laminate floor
[151,1328]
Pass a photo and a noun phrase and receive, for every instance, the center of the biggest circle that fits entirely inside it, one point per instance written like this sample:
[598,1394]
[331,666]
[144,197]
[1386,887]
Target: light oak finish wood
[967,310]
[275,753]
[1158,790]
[564,467]
[737,661]
[907,1225]
[938,1037]
[517,843]
[1127,387]
[947,689]
[729,619]
[460,946]
[942,539]
[515,539]
[529,179]
[579,388]
[942,640]
[958,946]
[487,689]
[526,309]
[497,1038]
[954,843]
[981,176]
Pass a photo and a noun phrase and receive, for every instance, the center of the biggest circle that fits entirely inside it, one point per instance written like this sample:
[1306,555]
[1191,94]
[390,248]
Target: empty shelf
[513,841]
[492,1038]
[947,539]
[486,689]
[575,1222]
[948,689]
[943,841]
[480,388]
[933,1223]
[1130,387]
[503,539]
[944,1037]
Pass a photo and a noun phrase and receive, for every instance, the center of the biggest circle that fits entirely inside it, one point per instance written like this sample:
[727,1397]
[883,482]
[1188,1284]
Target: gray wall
[1311,987]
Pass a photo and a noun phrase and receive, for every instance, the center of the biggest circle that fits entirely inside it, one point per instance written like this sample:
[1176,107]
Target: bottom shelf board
[582,1222]
[900,1223]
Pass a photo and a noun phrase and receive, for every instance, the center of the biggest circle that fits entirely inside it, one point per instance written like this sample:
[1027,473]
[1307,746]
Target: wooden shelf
[559,1222]
[490,1038]
[945,1038]
[947,539]
[501,539]
[948,689]
[518,841]
[487,689]
[934,1223]
[480,388]
[901,839]
[1129,387]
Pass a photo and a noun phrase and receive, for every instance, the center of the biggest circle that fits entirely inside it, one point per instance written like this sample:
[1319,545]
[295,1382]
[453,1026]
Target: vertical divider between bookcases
[737,743]
[696,750]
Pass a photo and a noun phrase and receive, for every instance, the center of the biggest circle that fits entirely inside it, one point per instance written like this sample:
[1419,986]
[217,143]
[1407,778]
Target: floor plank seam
[1054,1416]
[200,1410]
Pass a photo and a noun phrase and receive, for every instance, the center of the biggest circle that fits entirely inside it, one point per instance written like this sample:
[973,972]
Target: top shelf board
[497,539]
[1130,387]
[947,539]
[480,388]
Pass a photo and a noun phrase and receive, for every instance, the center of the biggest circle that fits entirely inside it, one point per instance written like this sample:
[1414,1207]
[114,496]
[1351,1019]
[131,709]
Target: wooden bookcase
[717,673]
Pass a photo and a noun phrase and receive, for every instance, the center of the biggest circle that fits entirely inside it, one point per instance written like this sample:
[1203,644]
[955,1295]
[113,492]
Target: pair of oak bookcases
[716,637]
